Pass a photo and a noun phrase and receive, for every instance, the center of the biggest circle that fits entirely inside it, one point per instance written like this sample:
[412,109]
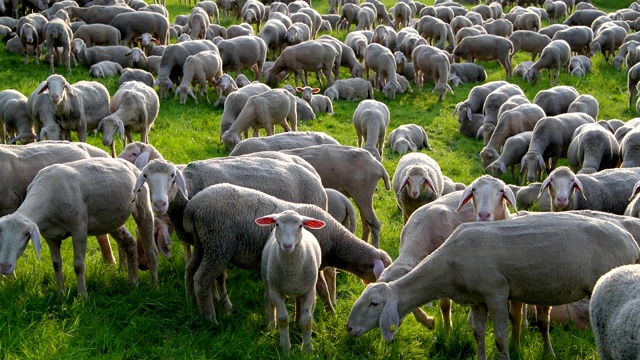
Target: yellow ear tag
[392,327]
[169,246]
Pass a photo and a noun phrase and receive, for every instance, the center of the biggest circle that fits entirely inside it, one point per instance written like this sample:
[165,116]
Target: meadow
[121,322]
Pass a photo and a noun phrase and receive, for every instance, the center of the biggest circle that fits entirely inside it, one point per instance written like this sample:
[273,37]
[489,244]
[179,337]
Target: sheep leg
[270,307]
[515,313]
[282,315]
[445,310]
[144,221]
[203,279]
[105,249]
[479,317]
[370,222]
[56,260]
[187,251]
[325,295]
[542,322]
[113,149]
[221,280]
[126,242]
[330,277]
[192,265]
[423,318]
[306,319]
[79,266]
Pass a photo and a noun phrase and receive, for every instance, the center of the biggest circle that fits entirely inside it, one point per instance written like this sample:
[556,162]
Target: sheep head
[288,230]
[15,232]
[376,306]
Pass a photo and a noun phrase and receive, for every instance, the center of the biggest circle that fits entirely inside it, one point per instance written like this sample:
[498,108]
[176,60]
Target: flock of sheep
[448,251]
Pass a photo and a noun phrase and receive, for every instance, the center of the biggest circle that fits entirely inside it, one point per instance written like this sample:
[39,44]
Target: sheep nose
[106,142]
[5,269]
[160,204]
[484,216]
[288,247]
[561,200]
[349,328]
[414,194]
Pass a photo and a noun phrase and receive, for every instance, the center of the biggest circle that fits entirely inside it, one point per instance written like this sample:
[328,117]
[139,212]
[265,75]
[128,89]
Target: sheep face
[488,155]
[375,307]
[561,184]
[391,88]
[417,181]
[230,140]
[288,230]
[57,85]
[110,127]
[332,94]
[161,176]
[15,232]
[28,34]
[533,164]
[184,92]
[50,132]
[402,146]
[531,75]
[487,194]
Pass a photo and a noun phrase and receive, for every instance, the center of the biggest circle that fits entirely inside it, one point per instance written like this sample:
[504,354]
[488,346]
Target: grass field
[121,322]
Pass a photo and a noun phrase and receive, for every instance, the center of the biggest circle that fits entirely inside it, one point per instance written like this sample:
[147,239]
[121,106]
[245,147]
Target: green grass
[121,322]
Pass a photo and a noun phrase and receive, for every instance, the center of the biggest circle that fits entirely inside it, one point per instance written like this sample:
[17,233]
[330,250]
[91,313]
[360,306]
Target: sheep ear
[43,134]
[181,184]
[394,147]
[414,148]
[542,164]
[155,41]
[100,125]
[389,319]
[34,234]
[469,114]
[545,184]
[404,182]
[265,220]
[578,186]
[479,133]
[315,90]
[142,160]
[467,195]
[313,223]
[121,129]
[139,182]
[42,87]
[510,197]
[15,139]
[68,88]
[503,168]
[163,239]
[523,162]
[429,181]
[299,89]
[378,268]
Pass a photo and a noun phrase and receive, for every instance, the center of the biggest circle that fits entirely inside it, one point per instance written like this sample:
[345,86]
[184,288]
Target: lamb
[132,24]
[463,73]
[570,281]
[556,55]
[580,65]
[430,61]
[98,34]
[577,37]
[486,47]
[95,54]
[350,89]
[607,40]
[134,107]
[308,56]
[529,41]
[144,77]
[592,149]
[514,148]
[517,120]
[341,209]
[585,103]
[370,120]
[290,262]
[319,103]
[14,118]
[550,140]
[235,102]
[613,312]
[87,185]
[105,68]
[58,34]
[629,154]
[408,137]
[491,108]
[417,180]
[201,69]
[265,110]
[556,100]
[606,190]
[86,103]
[243,52]
[339,247]
[381,60]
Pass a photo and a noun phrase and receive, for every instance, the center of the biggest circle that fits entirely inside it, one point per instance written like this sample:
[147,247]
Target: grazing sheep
[200,69]
[104,69]
[97,34]
[486,47]
[58,34]
[380,59]
[348,16]
[290,262]
[273,33]
[606,190]
[492,106]
[235,102]
[243,52]
[417,180]
[80,106]
[136,75]
[16,122]
[613,313]
[607,40]
[464,73]
[134,107]
[556,100]
[577,37]
[633,78]
[144,62]
[522,68]
[95,54]
[501,243]
[529,41]
[276,106]
[431,61]
[408,137]
[514,148]
[472,107]
[580,65]
[556,10]
[550,140]
[585,103]
[81,188]
[133,24]
[592,149]
[341,209]
[556,55]
[583,17]
[308,56]
[370,120]
[353,89]
[629,149]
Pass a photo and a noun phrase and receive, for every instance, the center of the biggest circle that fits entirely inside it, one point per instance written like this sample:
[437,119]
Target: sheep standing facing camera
[290,262]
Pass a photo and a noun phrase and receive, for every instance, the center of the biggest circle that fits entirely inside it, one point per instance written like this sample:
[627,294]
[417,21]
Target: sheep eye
[277,224]
[144,175]
[373,303]
[172,175]
[134,154]
[300,227]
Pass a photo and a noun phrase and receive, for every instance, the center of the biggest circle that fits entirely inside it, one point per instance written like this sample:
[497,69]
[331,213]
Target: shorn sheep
[290,262]
[370,120]
[482,265]
[614,314]
[417,181]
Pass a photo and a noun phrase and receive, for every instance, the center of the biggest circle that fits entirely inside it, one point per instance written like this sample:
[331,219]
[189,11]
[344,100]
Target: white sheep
[556,100]
[592,149]
[486,47]
[614,315]
[316,56]
[143,76]
[514,148]
[95,54]
[580,65]
[133,24]
[350,89]
[98,34]
[200,69]
[341,209]
[105,68]
[58,34]
[417,180]
[14,119]
[84,197]
[290,262]
[491,108]
[476,266]
[408,137]
[370,120]
[319,103]
[470,111]
[433,62]
[554,56]
[577,37]
[134,107]
[237,99]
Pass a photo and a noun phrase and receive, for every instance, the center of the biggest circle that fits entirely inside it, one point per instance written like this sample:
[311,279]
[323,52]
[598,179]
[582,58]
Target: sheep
[265,110]
[134,107]
[201,69]
[517,120]
[95,54]
[143,62]
[370,120]
[353,89]
[463,73]
[273,33]
[30,30]
[290,262]
[104,69]
[499,27]
[297,58]
[633,78]
[357,41]
[319,103]
[136,23]
[585,103]
[42,112]
[611,124]
[529,41]
[514,148]
[556,9]
[629,149]
[58,34]
[486,47]
[629,125]
[136,75]
[436,31]
[474,104]
[522,68]
[556,100]
[282,141]
[81,188]
[592,149]
[571,281]
[172,62]
[492,106]
[607,40]
[348,16]
[243,52]
[580,65]
[408,137]
[417,180]
[98,34]
[235,102]
[140,154]
[606,190]
[359,182]
[97,14]
[82,108]
[583,17]
[347,59]
[550,140]
[401,15]
[14,118]
[381,60]
[365,18]
[577,37]
[552,29]
[613,312]
[556,55]
[341,209]
[431,61]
